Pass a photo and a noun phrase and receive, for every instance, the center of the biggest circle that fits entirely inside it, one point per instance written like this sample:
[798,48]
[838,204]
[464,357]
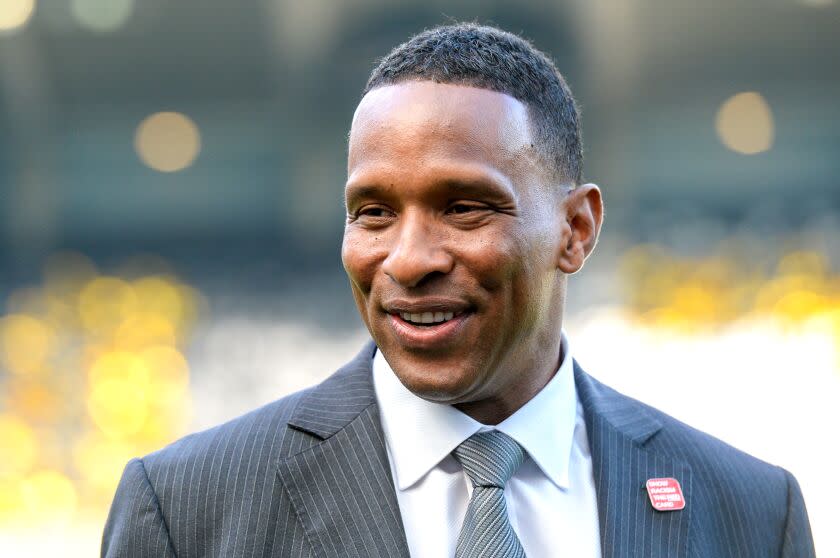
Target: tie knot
[489,458]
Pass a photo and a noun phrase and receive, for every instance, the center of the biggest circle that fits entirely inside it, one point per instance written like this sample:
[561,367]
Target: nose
[417,252]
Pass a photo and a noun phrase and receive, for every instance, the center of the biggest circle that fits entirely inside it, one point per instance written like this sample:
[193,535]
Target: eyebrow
[361,191]
[481,187]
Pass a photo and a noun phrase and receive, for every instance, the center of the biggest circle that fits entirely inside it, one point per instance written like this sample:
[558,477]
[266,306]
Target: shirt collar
[420,433]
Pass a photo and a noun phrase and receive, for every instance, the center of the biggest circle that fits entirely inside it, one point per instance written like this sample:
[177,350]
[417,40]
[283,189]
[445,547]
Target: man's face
[452,239]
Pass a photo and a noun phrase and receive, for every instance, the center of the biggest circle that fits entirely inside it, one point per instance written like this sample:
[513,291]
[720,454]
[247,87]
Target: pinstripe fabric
[211,494]
[304,476]
[736,505]
[308,476]
[489,460]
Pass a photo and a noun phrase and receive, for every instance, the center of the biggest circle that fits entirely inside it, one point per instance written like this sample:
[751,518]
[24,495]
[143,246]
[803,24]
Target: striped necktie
[489,460]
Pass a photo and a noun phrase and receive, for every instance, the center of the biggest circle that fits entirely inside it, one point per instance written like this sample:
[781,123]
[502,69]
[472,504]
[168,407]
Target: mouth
[426,318]
[428,329]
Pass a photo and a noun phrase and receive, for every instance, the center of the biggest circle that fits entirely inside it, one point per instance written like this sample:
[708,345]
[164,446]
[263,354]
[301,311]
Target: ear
[583,212]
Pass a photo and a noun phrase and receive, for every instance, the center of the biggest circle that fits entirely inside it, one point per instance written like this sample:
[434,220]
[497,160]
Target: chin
[434,382]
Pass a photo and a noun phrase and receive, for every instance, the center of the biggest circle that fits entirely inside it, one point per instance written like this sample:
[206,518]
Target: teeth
[427,317]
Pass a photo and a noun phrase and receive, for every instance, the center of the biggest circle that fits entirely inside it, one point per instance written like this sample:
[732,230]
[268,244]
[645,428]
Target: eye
[460,208]
[373,211]
[372,214]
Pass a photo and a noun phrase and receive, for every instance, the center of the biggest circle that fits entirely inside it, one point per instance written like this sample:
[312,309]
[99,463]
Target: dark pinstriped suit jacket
[308,475]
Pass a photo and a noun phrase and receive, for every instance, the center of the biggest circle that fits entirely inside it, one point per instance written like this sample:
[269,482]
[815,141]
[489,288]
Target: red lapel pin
[665,494]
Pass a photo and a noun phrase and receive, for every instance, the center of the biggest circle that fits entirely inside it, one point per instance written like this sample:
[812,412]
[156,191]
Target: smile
[428,330]
[427,317]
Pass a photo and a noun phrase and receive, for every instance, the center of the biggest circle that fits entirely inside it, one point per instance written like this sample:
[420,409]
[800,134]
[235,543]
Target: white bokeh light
[167,141]
[744,123]
[15,14]
[102,15]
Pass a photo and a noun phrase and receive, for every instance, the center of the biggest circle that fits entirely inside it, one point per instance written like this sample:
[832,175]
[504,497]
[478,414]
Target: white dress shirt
[550,499]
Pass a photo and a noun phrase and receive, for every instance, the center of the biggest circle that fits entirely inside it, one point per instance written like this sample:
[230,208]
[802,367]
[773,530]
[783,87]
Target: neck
[512,396]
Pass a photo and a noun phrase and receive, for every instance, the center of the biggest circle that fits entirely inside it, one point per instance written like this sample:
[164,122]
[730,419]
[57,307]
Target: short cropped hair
[489,58]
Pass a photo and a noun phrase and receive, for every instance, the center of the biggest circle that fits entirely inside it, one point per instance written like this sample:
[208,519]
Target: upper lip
[425,304]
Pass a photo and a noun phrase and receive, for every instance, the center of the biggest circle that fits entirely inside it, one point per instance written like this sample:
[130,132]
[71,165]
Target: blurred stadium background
[170,221]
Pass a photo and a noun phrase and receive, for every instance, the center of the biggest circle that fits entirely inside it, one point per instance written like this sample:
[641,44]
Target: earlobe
[583,212]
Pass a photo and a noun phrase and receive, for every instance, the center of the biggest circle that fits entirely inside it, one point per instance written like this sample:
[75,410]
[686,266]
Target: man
[465,428]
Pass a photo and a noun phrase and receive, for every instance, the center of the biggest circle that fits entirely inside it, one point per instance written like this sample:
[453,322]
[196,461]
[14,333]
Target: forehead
[415,122]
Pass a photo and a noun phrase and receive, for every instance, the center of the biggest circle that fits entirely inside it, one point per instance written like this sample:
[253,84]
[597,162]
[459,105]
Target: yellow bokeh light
[18,446]
[677,293]
[744,123]
[156,294]
[117,401]
[799,262]
[118,407]
[26,343]
[49,496]
[115,338]
[694,302]
[163,426]
[167,141]
[101,460]
[102,15]
[105,303]
[34,400]
[168,374]
[145,329]
[11,500]
[797,306]
[119,365]
[55,309]
[772,291]
[15,14]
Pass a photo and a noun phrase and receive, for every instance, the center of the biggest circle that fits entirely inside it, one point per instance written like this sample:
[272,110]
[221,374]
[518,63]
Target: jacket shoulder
[735,500]
[258,432]
[213,491]
[709,453]
[207,487]
[683,442]
[738,496]
[724,477]
[253,443]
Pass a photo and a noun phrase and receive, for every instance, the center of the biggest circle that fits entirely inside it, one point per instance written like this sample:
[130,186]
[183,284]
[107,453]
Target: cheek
[498,260]
[517,270]
[359,260]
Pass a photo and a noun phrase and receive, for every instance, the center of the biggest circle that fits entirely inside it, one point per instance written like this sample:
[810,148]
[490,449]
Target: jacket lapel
[341,486]
[342,489]
[619,430]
